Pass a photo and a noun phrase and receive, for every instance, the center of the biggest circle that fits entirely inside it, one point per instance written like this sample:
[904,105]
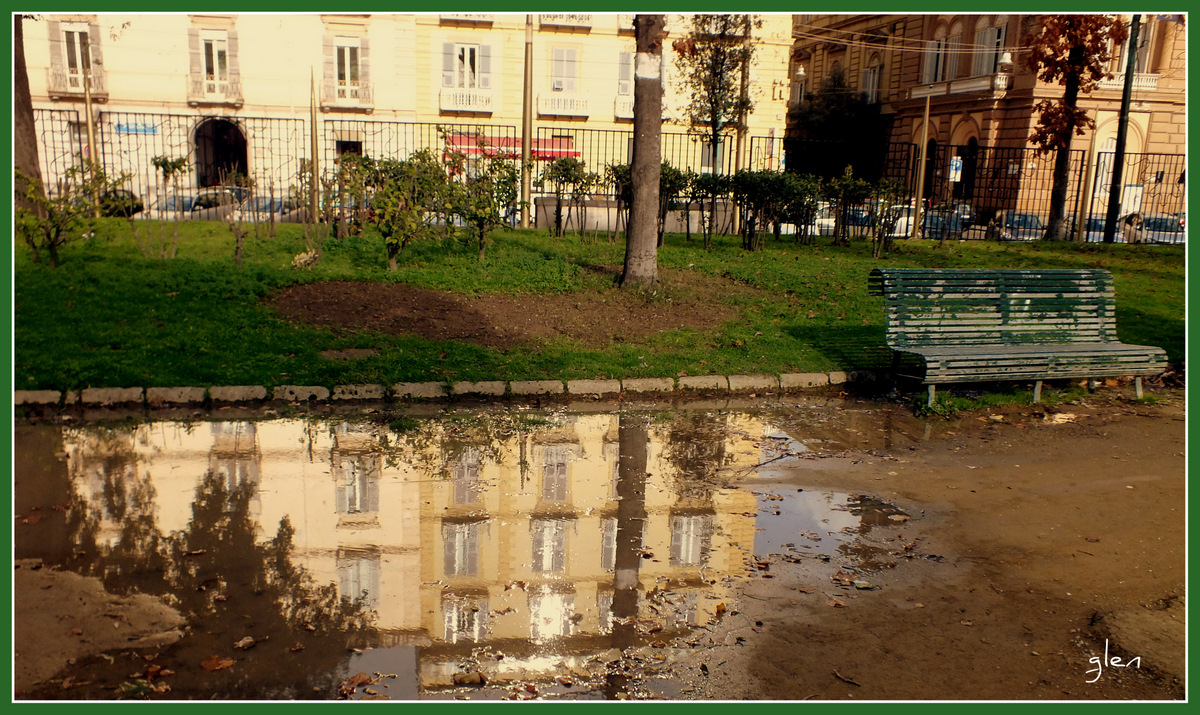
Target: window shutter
[56,44]
[539,546]
[94,55]
[342,506]
[625,75]
[931,50]
[328,71]
[559,556]
[448,64]
[372,487]
[569,62]
[448,544]
[952,57]
[195,61]
[485,67]
[364,54]
[234,68]
[982,51]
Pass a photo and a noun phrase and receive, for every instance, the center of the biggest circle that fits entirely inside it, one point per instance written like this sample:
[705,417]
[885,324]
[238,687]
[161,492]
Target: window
[989,44]
[952,52]
[870,80]
[549,545]
[466,66]
[357,478]
[214,49]
[554,474]
[562,69]
[78,53]
[465,618]
[466,478]
[550,614]
[691,537]
[461,543]
[358,576]
[706,155]
[935,69]
[346,53]
[608,544]
[625,74]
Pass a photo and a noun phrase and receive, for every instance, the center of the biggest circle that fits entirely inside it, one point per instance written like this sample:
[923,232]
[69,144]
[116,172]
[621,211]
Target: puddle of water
[514,556]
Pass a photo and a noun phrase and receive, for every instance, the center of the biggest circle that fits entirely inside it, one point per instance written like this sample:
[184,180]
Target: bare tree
[25,150]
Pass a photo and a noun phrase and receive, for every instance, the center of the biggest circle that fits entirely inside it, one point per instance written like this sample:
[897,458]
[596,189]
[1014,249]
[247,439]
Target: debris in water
[472,678]
[245,643]
[216,662]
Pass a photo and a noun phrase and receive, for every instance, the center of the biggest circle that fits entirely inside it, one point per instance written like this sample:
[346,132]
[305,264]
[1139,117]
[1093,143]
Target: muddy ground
[1032,543]
[690,300]
[1035,536]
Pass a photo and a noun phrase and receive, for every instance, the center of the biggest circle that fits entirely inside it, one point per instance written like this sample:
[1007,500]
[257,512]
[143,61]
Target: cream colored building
[232,91]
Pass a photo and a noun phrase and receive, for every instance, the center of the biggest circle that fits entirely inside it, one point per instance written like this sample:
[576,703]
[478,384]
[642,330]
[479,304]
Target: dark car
[120,202]
[1163,229]
[942,224]
[964,210]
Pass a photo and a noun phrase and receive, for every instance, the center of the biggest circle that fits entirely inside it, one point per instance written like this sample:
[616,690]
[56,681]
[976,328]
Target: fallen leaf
[347,686]
[245,643]
[216,662]
[836,603]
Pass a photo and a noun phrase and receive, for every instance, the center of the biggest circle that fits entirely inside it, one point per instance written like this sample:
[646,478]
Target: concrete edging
[224,394]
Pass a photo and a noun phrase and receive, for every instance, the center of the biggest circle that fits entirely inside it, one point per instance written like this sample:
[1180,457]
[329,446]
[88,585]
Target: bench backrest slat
[926,306]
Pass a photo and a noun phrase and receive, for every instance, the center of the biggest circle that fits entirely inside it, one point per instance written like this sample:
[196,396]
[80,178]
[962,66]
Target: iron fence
[62,142]
[399,140]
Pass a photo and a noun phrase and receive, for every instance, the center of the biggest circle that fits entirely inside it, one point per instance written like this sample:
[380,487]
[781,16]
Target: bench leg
[1137,386]
[1037,391]
[932,392]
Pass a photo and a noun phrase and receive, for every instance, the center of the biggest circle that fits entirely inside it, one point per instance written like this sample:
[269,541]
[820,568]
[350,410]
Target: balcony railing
[467,17]
[565,104]
[339,95]
[566,19]
[988,83]
[1141,82]
[202,90]
[62,83]
[623,107]
[466,100]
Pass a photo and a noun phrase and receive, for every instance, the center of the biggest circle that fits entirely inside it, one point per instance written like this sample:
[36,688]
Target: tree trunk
[25,149]
[1057,228]
[641,247]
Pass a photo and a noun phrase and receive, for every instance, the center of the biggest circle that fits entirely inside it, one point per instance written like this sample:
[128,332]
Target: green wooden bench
[977,325]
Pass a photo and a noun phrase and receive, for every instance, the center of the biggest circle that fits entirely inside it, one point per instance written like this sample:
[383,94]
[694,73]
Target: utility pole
[641,243]
[313,190]
[1114,190]
[919,209]
[89,160]
[740,149]
[527,126]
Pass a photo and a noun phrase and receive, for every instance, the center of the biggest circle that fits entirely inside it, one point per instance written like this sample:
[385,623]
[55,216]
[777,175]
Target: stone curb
[536,387]
[156,396]
[111,395]
[739,383]
[648,384]
[36,397]
[166,396]
[358,392]
[593,387]
[704,382]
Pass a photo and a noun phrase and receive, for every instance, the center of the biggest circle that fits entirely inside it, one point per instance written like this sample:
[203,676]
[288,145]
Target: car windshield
[178,203]
[1161,223]
[1024,221]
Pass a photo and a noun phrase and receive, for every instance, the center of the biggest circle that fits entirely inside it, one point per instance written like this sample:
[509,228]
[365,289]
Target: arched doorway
[964,188]
[220,151]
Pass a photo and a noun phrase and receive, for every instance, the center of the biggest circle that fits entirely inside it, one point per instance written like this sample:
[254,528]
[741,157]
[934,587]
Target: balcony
[466,100]
[347,97]
[565,104]
[69,85]
[572,20]
[623,107]
[202,90]
[468,17]
[1141,82]
[993,84]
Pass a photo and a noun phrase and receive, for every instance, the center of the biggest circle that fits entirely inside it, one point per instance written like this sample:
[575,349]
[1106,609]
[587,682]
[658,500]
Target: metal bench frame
[972,325]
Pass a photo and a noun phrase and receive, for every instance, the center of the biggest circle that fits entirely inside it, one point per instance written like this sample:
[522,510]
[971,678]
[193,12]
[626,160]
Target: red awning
[541,149]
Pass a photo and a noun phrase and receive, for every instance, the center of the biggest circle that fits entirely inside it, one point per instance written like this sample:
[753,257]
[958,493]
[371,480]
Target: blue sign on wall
[136,128]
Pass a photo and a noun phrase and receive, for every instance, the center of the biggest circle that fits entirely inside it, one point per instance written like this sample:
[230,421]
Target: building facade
[981,97]
[232,92]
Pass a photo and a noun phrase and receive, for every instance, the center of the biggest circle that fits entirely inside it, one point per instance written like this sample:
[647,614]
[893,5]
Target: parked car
[902,216]
[941,224]
[261,208]
[213,204]
[857,221]
[1093,230]
[1163,229]
[965,211]
[1018,226]
[120,202]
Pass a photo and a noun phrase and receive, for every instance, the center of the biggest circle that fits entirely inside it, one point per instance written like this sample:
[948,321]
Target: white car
[261,208]
[207,205]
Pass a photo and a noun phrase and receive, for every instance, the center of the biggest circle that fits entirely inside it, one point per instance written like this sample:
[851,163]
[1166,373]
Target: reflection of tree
[695,449]
[634,439]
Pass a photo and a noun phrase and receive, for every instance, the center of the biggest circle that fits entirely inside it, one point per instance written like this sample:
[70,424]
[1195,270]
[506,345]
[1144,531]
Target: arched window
[871,78]
[935,59]
[990,38]
[953,51]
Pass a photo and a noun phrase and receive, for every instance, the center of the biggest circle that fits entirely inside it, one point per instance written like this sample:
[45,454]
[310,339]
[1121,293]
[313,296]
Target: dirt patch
[594,318]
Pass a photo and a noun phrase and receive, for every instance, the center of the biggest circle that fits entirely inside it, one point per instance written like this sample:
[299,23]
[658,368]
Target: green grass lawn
[109,317]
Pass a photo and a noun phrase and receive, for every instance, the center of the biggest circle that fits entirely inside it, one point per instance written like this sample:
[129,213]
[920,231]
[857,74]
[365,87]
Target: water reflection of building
[509,539]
